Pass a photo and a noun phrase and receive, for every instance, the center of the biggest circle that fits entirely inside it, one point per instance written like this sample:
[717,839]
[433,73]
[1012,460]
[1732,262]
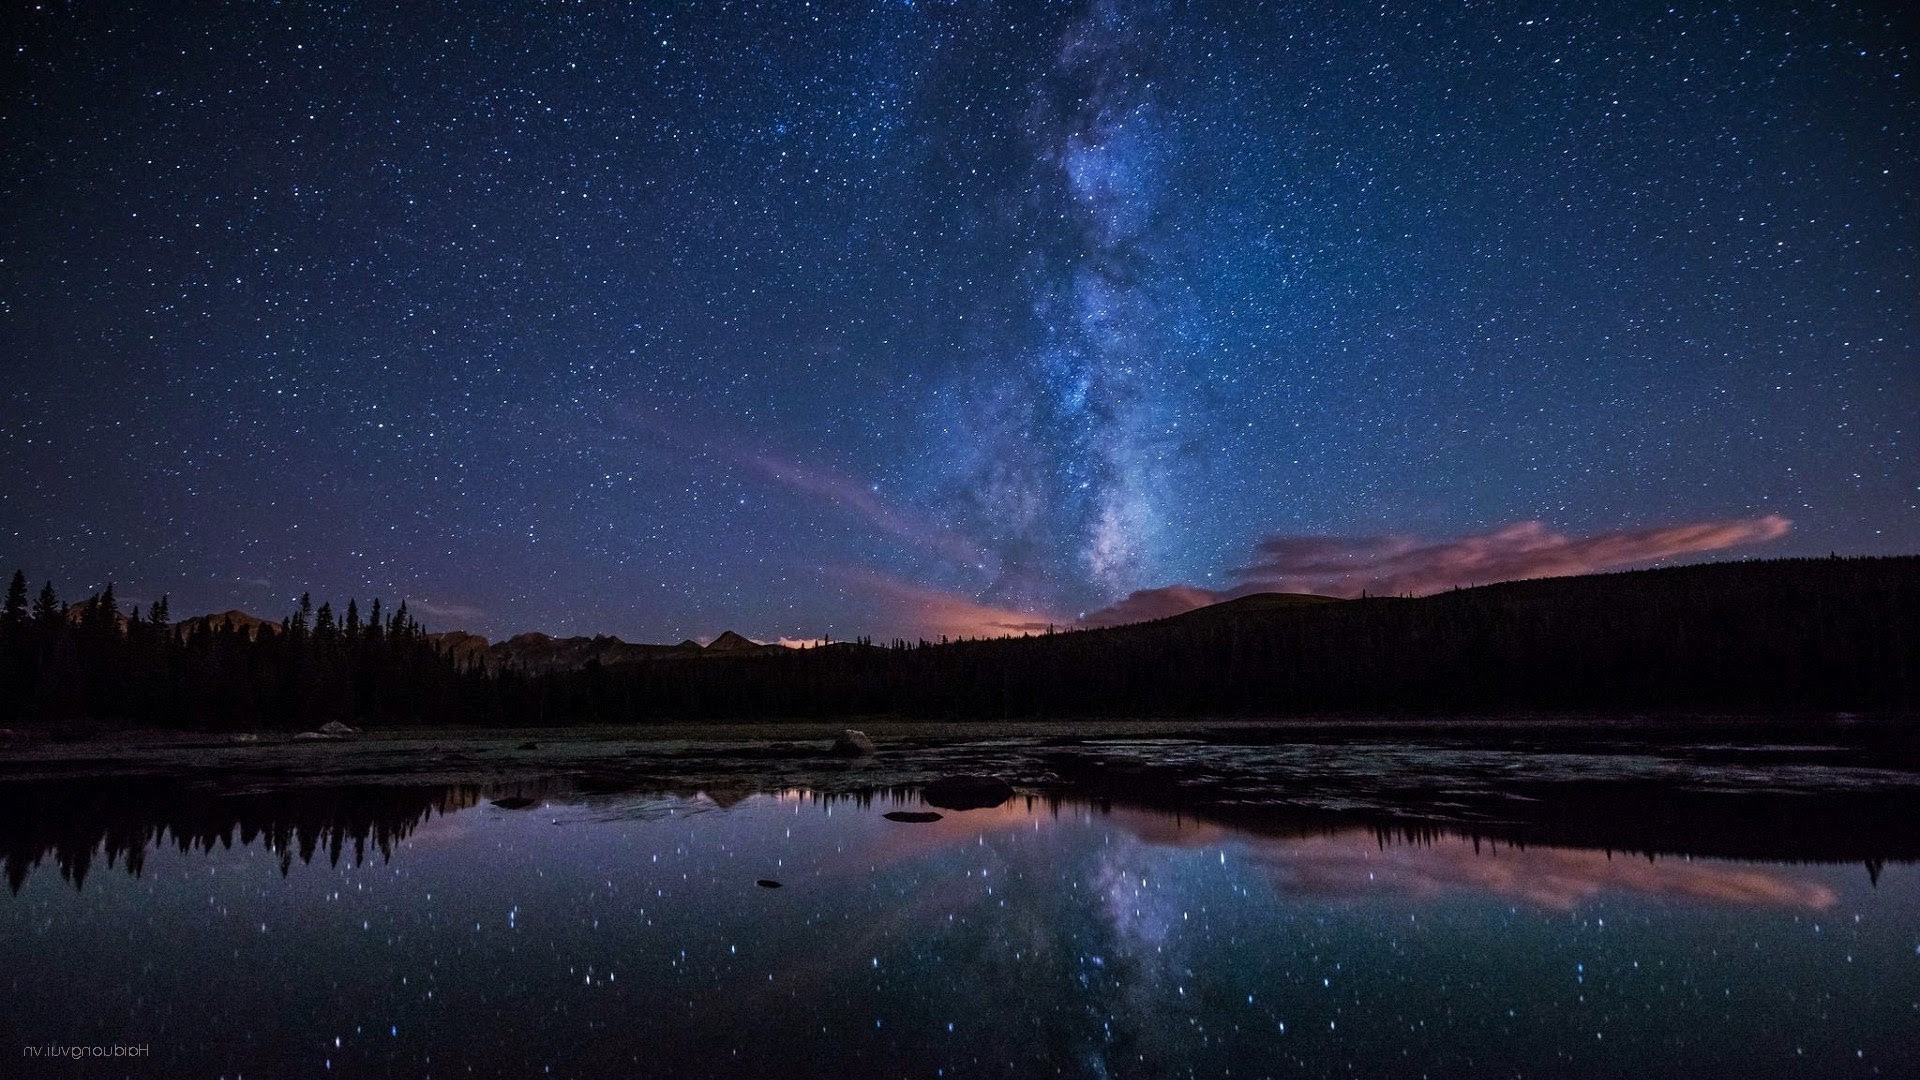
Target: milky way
[921,318]
[1096,382]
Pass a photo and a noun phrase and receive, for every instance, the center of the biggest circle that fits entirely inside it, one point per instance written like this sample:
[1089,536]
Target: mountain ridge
[1807,634]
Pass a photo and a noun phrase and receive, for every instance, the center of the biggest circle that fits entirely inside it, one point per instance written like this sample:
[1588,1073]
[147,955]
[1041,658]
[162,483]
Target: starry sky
[920,317]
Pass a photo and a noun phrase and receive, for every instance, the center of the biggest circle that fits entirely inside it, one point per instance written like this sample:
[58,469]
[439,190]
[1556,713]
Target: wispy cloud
[836,489]
[1397,564]
[1142,605]
[445,610]
[850,495]
[1336,566]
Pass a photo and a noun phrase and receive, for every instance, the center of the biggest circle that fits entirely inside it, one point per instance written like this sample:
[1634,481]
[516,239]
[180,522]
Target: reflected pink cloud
[1357,864]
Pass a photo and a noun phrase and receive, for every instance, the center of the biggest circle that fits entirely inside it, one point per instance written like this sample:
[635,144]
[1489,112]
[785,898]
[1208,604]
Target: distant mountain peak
[233,619]
[729,641]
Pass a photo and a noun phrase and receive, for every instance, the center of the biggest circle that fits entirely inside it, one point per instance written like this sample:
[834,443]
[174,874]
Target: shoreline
[1820,788]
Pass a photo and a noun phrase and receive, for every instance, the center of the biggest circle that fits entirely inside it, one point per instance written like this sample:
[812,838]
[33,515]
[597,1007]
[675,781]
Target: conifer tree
[47,609]
[13,619]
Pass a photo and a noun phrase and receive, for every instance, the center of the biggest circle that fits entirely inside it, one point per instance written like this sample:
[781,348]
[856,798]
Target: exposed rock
[462,647]
[768,883]
[528,746]
[967,792]
[514,802]
[318,736]
[236,620]
[913,817]
[853,743]
[244,737]
[731,642]
[335,727]
[537,653]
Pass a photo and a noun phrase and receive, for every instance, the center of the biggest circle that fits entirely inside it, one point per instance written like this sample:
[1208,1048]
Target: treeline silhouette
[1839,634]
[79,666]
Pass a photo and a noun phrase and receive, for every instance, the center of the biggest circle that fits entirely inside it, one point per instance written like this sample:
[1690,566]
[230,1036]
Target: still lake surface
[428,932]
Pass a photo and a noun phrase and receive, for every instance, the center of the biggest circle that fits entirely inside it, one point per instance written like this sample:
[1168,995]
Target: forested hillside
[1838,634]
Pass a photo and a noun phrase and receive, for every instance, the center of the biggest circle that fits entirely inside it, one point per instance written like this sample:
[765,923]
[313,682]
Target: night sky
[922,317]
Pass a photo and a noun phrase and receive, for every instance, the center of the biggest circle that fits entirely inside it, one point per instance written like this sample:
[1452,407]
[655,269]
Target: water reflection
[73,823]
[1356,862]
[447,930]
[1558,879]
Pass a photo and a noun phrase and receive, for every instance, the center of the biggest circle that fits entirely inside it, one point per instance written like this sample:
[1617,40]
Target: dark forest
[1794,634]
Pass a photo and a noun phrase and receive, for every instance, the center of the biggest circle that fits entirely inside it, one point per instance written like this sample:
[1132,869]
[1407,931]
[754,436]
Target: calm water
[629,937]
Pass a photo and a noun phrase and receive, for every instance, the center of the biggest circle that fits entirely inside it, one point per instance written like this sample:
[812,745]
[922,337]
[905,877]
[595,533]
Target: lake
[421,930]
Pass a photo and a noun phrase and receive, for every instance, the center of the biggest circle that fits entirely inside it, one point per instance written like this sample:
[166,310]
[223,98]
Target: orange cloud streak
[935,611]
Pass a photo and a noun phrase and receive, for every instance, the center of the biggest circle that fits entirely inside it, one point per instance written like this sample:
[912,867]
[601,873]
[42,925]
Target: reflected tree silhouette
[73,822]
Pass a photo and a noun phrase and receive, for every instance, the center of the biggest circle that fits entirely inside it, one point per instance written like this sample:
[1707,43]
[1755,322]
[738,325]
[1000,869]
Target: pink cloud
[1335,566]
[937,611]
[835,489]
[1395,564]
[446,610]
[1143,605]
[852,496]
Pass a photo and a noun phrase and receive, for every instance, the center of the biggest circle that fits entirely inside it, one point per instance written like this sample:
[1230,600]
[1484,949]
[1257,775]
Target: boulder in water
[335,727]
[513,802]
[853,743]
[768,883]
[913,817]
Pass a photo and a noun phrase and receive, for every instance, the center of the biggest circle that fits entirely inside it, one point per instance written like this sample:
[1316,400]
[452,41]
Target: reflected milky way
[621,931]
